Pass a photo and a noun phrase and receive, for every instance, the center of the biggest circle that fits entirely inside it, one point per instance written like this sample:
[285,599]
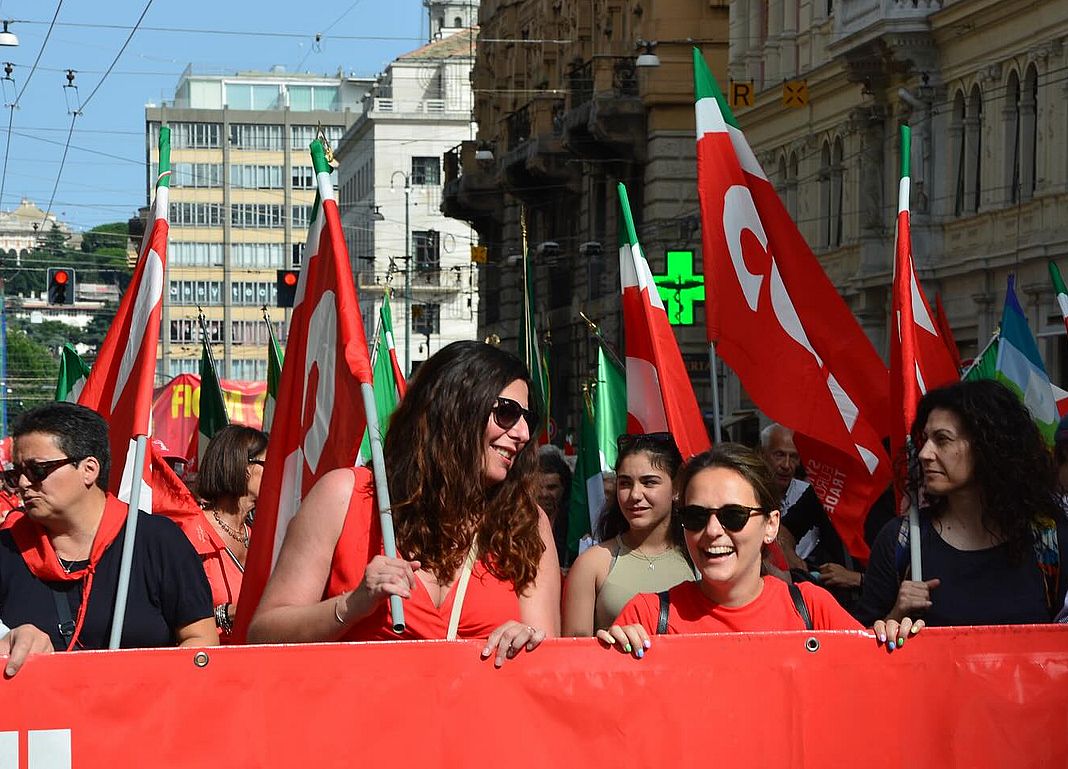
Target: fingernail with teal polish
[640,653]
[626,648]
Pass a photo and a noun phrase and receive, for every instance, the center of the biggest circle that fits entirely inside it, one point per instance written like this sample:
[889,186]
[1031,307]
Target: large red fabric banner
[982,697]
[176,408]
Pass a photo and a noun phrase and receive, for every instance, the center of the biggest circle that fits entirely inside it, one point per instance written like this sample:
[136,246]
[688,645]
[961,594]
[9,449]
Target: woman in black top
[992,533]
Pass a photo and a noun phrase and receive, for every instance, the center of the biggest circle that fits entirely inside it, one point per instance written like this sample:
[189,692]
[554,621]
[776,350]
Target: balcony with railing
[537,165]
[605,117]
[858,22]
[472,189]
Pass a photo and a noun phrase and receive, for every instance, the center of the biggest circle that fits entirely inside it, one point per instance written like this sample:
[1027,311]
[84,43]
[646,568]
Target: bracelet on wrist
[222,618]
[337,610]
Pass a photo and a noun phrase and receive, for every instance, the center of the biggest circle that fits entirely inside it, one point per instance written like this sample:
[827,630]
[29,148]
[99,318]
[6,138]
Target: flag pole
[378,331]
[717,429]
[385,514]
[126,564]
[202,322]
[608,349]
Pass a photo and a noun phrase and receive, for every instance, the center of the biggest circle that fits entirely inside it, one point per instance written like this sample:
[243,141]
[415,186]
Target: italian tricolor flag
[1059,289]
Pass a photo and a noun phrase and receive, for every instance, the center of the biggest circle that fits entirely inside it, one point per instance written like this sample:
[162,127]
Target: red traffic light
[61,277]
[290,278]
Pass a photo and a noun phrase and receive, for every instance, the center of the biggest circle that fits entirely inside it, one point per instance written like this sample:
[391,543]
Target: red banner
[176,408]
[984,697]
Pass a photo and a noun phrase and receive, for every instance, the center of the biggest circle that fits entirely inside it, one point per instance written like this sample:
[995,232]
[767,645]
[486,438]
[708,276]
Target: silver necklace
[241,537]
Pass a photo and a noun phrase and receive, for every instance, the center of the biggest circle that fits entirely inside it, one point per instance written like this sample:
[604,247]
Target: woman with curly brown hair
[475,553]
[992,533]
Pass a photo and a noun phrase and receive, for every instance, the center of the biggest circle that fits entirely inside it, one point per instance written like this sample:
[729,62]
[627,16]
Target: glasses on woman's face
[260,462]
[507,412]
[662,441]
[732,518]
[35,470]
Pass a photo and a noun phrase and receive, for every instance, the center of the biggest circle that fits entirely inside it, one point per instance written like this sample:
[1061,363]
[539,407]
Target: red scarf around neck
[40,556]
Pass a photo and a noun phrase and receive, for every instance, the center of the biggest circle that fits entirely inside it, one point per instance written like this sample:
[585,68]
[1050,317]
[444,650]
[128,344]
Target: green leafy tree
[31,372]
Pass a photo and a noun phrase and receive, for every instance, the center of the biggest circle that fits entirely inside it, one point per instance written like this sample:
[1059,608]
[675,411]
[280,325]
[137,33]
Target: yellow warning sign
[794,93]
[741,93]
[479,254]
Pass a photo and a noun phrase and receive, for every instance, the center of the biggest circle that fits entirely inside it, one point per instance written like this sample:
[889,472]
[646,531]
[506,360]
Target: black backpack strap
[665,606]
[799,604]
[63,613]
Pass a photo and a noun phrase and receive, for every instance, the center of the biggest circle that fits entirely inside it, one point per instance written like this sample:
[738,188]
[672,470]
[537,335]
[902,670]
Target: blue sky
[103,177]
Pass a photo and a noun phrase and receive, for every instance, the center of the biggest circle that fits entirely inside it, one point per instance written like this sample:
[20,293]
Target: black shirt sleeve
[184,593]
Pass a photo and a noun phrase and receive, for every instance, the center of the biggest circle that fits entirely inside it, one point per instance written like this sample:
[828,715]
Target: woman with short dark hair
[992,533]
[460,466]
[59,561]
[228,483]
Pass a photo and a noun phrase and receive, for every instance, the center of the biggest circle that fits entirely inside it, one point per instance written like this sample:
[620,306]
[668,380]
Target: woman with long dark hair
[640,549]
[992,532]
[460,465]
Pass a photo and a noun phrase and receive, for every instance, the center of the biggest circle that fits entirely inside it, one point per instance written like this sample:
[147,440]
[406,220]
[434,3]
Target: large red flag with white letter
[326,360]
[779,323]
[659,393]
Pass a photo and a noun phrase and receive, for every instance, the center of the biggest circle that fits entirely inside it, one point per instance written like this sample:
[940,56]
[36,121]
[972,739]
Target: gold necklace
[243,537]
[651,560]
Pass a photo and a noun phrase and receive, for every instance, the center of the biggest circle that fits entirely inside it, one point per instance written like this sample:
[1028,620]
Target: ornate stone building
[983,83]
[564,113]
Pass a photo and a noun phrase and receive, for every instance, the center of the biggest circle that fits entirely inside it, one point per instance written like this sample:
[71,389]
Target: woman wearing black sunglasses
[640,551]
[729,516]
[60,559]
[477,555]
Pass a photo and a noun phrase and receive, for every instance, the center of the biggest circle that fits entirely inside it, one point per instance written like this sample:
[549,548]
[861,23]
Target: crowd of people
[730,540]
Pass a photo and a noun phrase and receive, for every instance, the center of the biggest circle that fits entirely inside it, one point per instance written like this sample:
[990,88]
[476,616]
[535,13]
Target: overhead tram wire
[15,104]
[81,108]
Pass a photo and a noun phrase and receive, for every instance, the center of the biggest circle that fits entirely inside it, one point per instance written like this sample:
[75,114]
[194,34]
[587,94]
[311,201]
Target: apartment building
[242,188]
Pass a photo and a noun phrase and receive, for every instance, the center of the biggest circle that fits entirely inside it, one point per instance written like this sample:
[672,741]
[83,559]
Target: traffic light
[287,287]
[60,285]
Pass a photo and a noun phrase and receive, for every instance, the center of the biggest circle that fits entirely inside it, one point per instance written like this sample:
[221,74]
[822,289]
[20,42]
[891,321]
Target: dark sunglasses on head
[35,470]
[507,412]
[731,517]
[628,441]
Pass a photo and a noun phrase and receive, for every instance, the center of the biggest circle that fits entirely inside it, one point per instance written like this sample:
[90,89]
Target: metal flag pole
[717,429]
[126,565]
[605,345]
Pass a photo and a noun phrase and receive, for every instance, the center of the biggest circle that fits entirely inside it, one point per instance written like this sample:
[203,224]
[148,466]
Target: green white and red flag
[213,416]
[778,322]
[73,374]
[326,362]
[919,356]
[389,389]
[1060,291]
[659,392]
[274,376]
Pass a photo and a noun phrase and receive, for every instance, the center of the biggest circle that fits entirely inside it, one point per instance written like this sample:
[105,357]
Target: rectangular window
[256,215]
[253,293]
[191,136]
[196,175]
[193,292]
[425,245]
[176,366]
[247,136]
[301,215]
[258,255]
[256,177]
[196,215]
[187,254]
[426,171]
[248,370]
[426,318]
[303,178]
[303,135]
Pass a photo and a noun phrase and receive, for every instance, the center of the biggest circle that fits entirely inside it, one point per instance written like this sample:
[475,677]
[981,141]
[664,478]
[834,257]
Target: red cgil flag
[326,360]
[779,323]
[946,331]
[659,393]
[919,356]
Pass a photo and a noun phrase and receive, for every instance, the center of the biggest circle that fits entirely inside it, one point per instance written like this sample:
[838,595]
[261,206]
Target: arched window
[825,195]
[837,192]
[1011,119]
[973,135]
[957,152]
[457,22]
[1029,133]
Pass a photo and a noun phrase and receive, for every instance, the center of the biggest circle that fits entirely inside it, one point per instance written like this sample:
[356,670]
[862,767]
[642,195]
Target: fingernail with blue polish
[640,653]
[891,646]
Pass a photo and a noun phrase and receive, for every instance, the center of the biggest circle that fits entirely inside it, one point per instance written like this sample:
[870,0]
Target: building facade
[984,86]
[564,113]
[242,187]
[390,193]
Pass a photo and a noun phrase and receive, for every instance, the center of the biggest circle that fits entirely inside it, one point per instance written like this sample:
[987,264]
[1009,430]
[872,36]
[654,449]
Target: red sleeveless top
[489,602]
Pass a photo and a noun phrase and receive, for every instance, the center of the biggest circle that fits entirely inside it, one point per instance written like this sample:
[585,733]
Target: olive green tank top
[631,573]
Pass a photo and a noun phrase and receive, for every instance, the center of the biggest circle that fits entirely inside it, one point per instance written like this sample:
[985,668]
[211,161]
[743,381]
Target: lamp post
[407,269]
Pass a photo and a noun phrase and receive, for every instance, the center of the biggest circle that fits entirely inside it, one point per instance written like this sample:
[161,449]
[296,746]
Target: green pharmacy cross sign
[680,287]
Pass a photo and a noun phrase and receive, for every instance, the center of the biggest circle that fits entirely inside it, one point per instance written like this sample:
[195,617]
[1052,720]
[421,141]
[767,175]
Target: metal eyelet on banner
[201,659]
[812,644]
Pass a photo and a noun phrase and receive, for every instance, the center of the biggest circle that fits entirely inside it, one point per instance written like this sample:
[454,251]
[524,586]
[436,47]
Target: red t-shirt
[489,602]
[692,612]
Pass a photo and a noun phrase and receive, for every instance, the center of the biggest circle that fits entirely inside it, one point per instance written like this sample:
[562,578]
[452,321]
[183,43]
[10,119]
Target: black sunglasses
[35,471]
[507,412]
[628,441]
[731,517]
[260,462]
